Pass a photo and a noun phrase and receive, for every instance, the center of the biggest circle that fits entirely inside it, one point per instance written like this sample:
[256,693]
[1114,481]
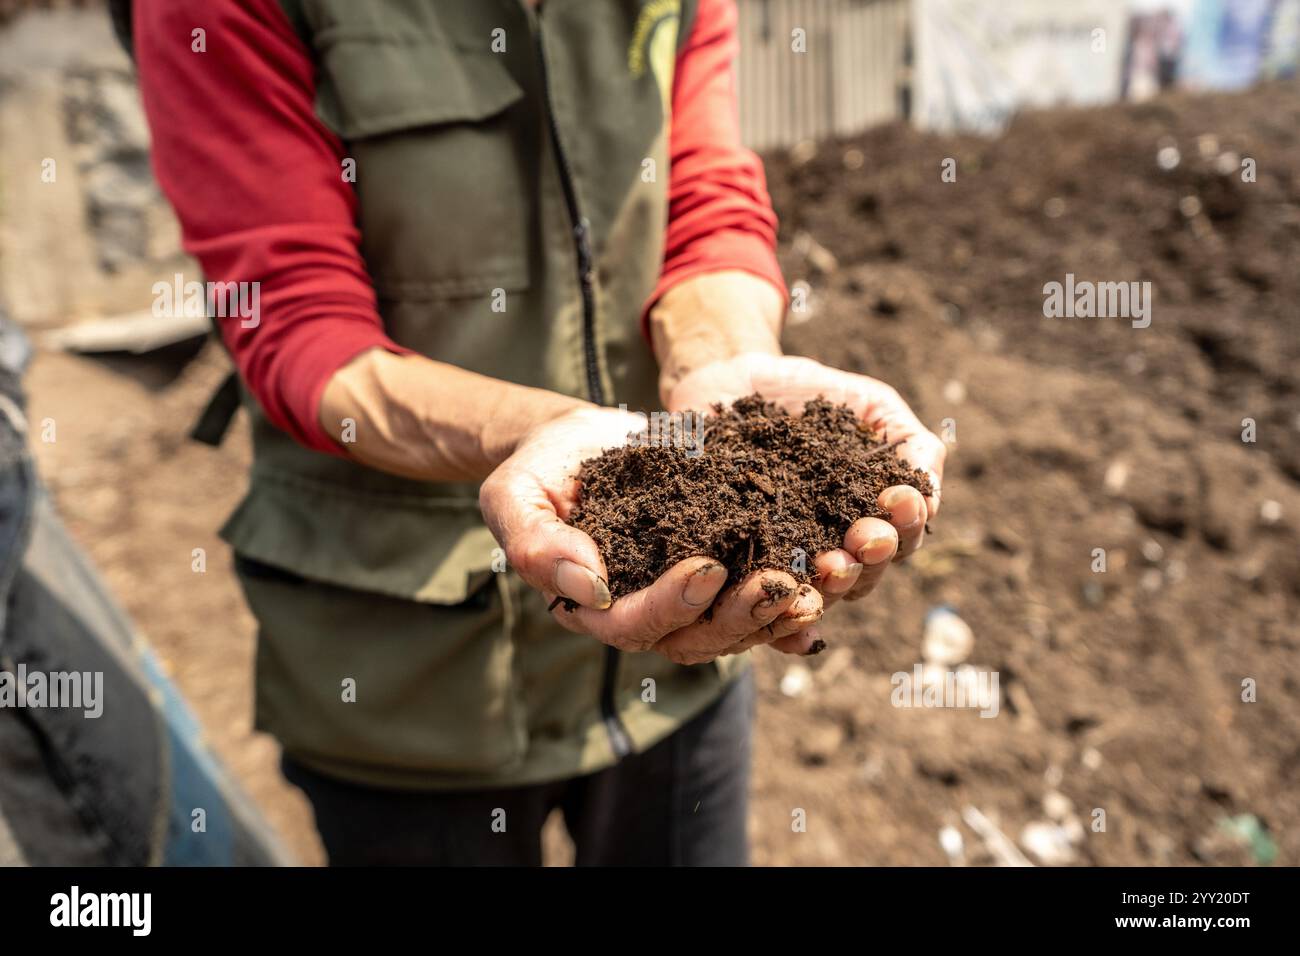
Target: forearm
[415,417]
[713,316]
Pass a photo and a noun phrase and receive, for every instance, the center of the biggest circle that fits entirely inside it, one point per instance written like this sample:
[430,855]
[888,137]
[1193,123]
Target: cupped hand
[525,502]
[871,544]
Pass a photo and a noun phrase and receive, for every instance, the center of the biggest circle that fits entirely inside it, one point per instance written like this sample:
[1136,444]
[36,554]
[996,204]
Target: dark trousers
[683,802]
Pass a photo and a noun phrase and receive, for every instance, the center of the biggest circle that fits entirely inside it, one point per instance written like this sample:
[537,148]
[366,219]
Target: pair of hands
[526,500]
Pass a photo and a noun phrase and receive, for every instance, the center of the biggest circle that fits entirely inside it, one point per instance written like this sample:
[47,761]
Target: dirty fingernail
[904,504]
[817,646]
[702,586]
[841,579]
[581,584]
[773,591]
[893,497]
[808,604]
[878,548]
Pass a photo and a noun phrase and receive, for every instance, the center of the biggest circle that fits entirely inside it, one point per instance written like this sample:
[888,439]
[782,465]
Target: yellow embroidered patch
[654,40]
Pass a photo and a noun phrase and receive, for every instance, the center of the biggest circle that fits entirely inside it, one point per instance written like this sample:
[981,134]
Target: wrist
[713,317]
[425,419]
[519,411]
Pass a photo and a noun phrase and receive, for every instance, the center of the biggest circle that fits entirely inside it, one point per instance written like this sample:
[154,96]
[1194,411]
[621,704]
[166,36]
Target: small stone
[1116,477]
[947,639]
[1091,758]
[1152,580]
[954,392]
[854,158]
[814,253]
[1190,206]
[1049,843]
[954,847]
[1168,157]
[1208,145]
[1057,805]
[1228,163]
[1152,551]
[1054,208]
[1270,512]
[796,681]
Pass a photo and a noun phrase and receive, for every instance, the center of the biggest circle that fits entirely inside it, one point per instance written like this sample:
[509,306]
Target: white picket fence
[851,75]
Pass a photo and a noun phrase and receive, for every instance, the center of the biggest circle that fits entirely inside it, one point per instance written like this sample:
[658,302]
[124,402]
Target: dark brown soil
[766,489]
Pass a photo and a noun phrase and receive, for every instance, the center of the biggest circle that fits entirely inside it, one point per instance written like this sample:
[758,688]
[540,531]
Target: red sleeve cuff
[728,249]
[316,358]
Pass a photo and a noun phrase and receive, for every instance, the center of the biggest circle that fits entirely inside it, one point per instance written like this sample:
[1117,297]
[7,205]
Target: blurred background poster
[1157,36]
[977,63]
[1230,41]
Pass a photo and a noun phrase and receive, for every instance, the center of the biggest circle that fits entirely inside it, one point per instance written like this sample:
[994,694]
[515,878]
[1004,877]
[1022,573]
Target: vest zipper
[619,741]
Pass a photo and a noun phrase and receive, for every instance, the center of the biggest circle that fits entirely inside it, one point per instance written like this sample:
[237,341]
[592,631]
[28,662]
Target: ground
[1121,691]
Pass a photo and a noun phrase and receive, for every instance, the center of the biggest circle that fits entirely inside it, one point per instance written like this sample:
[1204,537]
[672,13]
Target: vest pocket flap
[430,550]
[375,84]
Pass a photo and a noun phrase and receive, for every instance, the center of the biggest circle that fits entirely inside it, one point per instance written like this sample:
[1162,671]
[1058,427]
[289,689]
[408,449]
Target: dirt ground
[1121,691]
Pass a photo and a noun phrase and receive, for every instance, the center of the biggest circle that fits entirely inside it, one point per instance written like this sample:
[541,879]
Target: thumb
[548,554]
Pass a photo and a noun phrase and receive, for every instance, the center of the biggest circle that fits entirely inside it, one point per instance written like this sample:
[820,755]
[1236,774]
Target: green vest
[511,170]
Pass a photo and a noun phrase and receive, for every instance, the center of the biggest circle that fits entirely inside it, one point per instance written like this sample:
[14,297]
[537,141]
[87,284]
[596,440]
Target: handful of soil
[761,484]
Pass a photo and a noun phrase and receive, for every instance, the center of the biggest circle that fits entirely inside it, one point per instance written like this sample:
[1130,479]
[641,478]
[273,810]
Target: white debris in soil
[947,640]
[1116,477]
[1057,805]
[1049,843]
[954,847]
[796,681]
[999,845]
[1270,512]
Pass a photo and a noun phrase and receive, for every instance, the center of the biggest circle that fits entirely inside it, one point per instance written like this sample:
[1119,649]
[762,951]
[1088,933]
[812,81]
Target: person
[479,233]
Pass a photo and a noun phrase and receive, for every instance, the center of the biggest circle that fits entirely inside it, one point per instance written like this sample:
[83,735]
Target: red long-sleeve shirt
[254,176]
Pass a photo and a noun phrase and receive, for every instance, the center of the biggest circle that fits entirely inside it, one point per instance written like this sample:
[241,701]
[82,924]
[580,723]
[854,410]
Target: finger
[907,513]
[547,553]
[752,604]
[886,412]
[806,611]
[805,643]
[874,542]
[837,572]
[636,621]
[927,453]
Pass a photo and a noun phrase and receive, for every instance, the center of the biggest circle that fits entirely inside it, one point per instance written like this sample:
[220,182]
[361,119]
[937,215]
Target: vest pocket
[358,684]
[430,550]
[443,170]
